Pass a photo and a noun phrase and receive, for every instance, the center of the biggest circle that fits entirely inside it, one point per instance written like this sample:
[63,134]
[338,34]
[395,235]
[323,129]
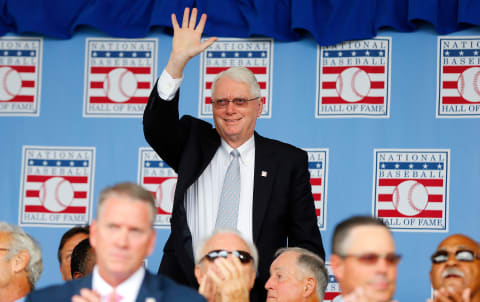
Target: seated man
[455,272]
[364,260]
[68,242]
[226,266]
[297,275]
[122,236]
[83,259]
[20,263]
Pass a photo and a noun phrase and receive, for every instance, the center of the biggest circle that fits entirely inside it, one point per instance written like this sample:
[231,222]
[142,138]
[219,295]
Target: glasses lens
[211,256]
[369,258]
[239,102]
[440,257]
[243,256]
[220,102]
[464,255]
[392,258]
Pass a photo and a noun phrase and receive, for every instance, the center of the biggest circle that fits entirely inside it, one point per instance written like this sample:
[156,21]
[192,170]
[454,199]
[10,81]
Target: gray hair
[341,235]
[200,246]
[21,241]
[310,264]
[240,74]
[130,190]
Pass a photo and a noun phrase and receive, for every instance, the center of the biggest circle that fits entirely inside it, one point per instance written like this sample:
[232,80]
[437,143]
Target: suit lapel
[151,288]
[264,174]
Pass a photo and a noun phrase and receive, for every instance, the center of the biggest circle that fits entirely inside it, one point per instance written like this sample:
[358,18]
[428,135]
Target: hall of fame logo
[333,288]
[119,75]
[458,69]
[56,186]
[353,79]
[317,166]
[410,189]
[157,177]
[20,75]
[254,54]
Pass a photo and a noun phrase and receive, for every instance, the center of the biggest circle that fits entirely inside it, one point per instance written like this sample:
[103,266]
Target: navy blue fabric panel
[329,21]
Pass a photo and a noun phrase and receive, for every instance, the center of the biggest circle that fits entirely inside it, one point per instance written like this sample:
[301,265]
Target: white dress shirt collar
[128,289]
[244,149]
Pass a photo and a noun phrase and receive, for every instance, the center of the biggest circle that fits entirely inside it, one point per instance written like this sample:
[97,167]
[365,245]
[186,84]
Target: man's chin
[456,283]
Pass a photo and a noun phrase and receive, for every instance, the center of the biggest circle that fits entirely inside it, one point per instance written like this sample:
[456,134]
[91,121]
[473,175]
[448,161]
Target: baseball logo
[410,198]
[353,84]
[165,201]
[10,83]
[56,194]
[468,84]
[120,85]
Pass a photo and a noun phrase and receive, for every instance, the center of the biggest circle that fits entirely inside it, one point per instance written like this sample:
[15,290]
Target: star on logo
[475,53]
[439,166]
[367,53]
[160,164]
[147,54]
[325,54]
[250,54]
[134,54]
[425,166]
[410,166]
[120,54]
[72,163]
[147,164]
[94,54]
[223,55]
[5,53]
[32,53]
[354,53]
[447,53]
[264,54]
[45,163]
[30,162]
[236,54]
[380,53]
[107,54]
[319,166]
[19,53]
[461,52]
[340,54]
[382,166]
[209,54]
[397,166]
[85,163]
[58,163]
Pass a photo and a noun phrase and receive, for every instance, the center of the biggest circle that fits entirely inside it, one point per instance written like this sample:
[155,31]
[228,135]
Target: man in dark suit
[275,201]
[122,236]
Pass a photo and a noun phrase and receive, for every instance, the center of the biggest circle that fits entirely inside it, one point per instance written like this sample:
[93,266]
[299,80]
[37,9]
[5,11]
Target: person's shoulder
[278,145]
[172,291]
[50,293]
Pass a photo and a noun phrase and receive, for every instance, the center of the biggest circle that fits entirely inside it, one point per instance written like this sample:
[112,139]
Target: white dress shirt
[128,289]
[203,196]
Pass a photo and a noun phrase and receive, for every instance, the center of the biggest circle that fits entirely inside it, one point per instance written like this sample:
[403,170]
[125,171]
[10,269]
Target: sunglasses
[243,256]
[460,255]
[372,258]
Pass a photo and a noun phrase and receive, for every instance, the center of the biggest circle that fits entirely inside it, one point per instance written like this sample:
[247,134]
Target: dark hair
[69,234]
[80,257]
[342,231]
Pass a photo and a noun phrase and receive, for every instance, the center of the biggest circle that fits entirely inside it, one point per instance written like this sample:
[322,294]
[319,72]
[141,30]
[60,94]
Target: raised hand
[186,41]
[450,295]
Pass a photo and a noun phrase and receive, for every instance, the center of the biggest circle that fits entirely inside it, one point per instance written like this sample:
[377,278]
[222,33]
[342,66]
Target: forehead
[226,241]
[457,241]
[286,261]
[227,87]
[125,210]
[370,238]
[5,239]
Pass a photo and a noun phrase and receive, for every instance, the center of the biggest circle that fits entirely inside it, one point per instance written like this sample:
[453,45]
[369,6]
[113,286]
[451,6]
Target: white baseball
[120,85]
[165,201]
[468,84]
[10,83]
[56,194]
[410,198]
[353,84]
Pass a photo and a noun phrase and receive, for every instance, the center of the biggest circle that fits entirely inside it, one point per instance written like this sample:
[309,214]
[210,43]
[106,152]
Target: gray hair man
[225,266]
[20,262]
[364,260]
[298,275]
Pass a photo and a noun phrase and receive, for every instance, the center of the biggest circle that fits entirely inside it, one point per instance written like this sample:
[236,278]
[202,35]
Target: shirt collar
[128,289]
[245,149]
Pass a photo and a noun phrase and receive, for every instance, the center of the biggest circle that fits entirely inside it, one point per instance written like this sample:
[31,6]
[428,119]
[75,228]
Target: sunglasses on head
[243,256]
[460,255]
[372,258]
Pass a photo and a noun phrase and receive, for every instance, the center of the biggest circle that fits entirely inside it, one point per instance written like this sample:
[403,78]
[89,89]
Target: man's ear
[198,273]
[337,265]
[21,260]
[77,275]
[309,287]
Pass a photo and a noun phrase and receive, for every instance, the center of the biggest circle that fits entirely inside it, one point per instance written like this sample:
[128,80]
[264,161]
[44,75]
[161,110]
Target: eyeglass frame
[224,254]
[361,257]
[234,101]
[474,255]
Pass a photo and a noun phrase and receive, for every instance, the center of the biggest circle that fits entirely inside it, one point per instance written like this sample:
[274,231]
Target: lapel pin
[264,173]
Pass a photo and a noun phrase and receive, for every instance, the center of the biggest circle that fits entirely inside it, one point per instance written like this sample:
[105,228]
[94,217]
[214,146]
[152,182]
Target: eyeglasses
[236,101]
[243,256]
[372,258]
[460,255]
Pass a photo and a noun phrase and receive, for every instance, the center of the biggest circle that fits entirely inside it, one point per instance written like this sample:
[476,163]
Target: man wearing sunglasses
[226,265]
[364,260]
[267,191]
[455,272]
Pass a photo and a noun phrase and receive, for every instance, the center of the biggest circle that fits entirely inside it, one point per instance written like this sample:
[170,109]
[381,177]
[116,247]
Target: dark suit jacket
[158,287]
[283,205]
